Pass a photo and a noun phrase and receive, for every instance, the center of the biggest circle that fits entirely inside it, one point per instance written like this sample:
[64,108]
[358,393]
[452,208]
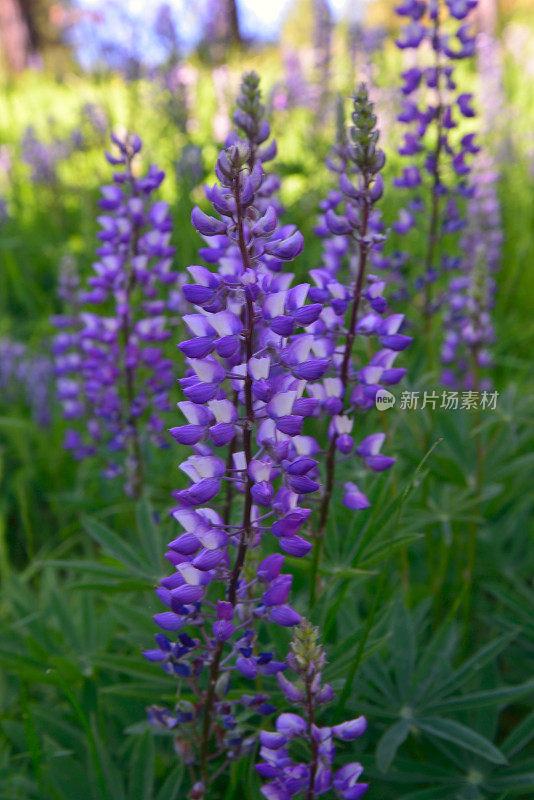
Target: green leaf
[114,546]
[141,774]
[500,697]
[114,786]
[521,735]
[171,788]
[404,647]
[473,665]
[390,742]
[437,793]
[149,534]
[382,551]
[461,736]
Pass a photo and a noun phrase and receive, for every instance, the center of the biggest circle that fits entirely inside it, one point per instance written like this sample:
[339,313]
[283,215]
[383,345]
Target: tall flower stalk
[247,367]
[466,349]
[429,107]
[312,778]
[358,228]
[112,374]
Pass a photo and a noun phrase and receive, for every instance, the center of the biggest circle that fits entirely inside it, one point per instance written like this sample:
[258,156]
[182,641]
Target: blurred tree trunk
[221,29]
[14,35]
[19,35]
[487,12]
[223,21]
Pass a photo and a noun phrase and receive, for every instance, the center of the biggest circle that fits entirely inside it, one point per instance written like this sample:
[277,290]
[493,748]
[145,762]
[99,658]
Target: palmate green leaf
[138,689]
[403,644]
[336,667]
[114,546]
[26,668]
[435,793]
[69,778]
[382,551]
[519,737]
[473,665]
[462,736]
[493,697]
[390,742]
[113,586]
[149,534]
[113,783]
[141,769]
[173,784]
[514,783]
[136,668]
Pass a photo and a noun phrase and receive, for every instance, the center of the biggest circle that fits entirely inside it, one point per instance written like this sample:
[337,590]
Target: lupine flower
[42,158]
[244,411]
[293,90]
[352,228]
[28,376]
[314,777]
[432,107]
[468,323]
[491,97]
[322,51]
[111,371]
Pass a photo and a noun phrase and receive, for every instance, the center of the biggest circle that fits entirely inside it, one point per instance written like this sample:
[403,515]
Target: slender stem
[246,526]
[227,508]
[134,443]
[310,794]
[473,530]
[433,230]
[344,374]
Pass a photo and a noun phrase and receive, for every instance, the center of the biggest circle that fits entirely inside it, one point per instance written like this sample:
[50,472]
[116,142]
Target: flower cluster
[438,155]
[252,130]
[110,365]
[247,366]
[468,322]
[315,776]
[353,235]
[28,376]
[42,158]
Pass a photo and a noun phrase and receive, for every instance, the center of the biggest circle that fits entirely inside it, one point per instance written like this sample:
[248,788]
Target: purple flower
[354,237]
[315,775]
[112,374]
[244,413]
[430,107]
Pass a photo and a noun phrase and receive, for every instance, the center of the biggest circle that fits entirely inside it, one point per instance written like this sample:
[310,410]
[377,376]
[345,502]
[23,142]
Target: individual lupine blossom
[316,775]
[112,374]
[28,376]
[438,155]
[353,310]
[249,473]
[468,326]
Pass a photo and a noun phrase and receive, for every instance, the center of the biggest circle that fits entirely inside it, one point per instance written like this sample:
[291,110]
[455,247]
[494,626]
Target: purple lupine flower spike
[432,108]
[111,371]
[312,778]
[353,235]
[244,411]
[469,331]
[27,376]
